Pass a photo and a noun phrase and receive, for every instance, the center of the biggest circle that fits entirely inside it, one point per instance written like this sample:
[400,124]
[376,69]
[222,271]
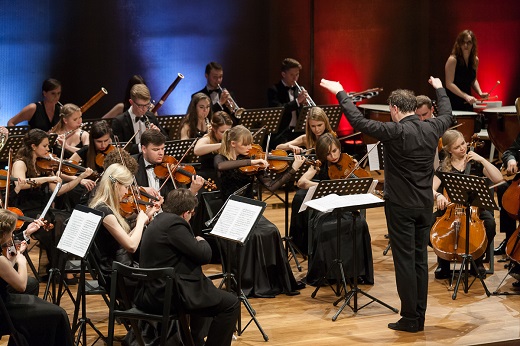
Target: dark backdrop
[373,43]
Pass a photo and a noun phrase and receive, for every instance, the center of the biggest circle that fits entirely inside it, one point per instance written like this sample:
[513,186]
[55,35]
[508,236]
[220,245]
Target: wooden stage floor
[471,319]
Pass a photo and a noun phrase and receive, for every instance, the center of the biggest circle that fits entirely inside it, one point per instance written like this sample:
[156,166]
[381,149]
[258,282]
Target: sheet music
[79,232]
[308,197]
[373,158]
[330,202]
[236,221]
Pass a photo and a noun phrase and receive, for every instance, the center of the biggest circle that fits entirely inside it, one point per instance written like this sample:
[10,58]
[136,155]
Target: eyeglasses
[145,106]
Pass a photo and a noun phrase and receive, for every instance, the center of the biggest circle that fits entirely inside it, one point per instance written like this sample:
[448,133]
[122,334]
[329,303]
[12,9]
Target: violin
[3,179]
[11,247]
[278,160]
[448,234]
[346,168]
[69,167]
[23,219]
[100,156]
[181,173]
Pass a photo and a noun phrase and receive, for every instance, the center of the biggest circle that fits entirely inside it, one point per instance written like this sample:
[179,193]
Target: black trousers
[409,231]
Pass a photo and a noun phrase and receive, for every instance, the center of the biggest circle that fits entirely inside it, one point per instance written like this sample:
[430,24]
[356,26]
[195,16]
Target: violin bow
[58,173]
[130,140]
[363,159]
[8,181]
[134,181]
[177,165]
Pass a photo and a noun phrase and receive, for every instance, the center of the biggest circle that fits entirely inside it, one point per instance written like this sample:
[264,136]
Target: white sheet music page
[330,202]
[373,158]
[308,197]
[236,221]
[79,232]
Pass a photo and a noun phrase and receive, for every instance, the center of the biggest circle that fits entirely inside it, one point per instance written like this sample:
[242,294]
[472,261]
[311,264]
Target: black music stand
[231,227]
[259,135]
[469,191]
[87,123]
[171,124]
[77,239]
[268,117]
[12,142]
[179,147]
[348,187]
[18,130]
[333,112]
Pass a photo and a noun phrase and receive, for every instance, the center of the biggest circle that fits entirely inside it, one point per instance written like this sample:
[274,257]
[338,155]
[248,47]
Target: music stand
[237,217]
[87,124]
[171,124]
[333,112]
[12,142]
[17,130]
[259,135]
[177,149]
[77,239]
[347,189]
[268,117]
[469,191]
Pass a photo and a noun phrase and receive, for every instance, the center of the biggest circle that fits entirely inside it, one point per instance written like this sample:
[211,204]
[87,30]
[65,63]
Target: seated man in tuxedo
[286,94]
[219,97]
[424,107]
[170,242]
[137,118]
[152,154]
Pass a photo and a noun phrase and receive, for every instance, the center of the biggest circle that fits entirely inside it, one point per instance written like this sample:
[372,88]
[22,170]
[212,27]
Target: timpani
[503,125]
[468,120]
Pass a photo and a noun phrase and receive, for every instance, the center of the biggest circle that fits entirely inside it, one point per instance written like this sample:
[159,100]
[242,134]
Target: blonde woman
[69,127]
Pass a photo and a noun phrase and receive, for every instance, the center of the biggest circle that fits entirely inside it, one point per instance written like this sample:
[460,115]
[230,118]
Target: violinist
[196,123]
[208,146]
[137,118]
[100,143]
[456,160]
[152,154]
[114,239]
[31,199]
[265,269]
[510,159]
[39,322]
[317,124]
[70,126]
[328,151]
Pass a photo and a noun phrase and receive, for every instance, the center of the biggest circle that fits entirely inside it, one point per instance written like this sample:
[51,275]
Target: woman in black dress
[196,123]
[265,270]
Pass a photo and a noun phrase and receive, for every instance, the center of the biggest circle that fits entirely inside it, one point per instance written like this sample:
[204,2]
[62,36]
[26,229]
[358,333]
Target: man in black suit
[137,118]
[286,94]
[152,154]
[170,242]
[219,97]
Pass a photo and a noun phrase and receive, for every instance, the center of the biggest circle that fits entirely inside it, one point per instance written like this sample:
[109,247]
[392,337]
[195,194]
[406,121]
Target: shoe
[299,285]
[405,326]
[442,273]
[292,293]
[501,249]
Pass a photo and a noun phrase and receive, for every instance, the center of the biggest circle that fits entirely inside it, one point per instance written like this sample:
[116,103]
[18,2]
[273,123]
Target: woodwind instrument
[93,100]
[167,93]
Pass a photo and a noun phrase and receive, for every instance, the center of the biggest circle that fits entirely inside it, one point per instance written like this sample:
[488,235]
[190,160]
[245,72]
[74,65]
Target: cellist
[456,160]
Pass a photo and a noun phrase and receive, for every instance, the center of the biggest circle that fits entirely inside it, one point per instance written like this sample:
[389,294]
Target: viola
[181,173]
[69,167]
[100,156]
[278,160]
[346,168]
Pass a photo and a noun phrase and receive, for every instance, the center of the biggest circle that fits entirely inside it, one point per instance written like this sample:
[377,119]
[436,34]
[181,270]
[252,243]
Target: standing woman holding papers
[324,247]
[265,270]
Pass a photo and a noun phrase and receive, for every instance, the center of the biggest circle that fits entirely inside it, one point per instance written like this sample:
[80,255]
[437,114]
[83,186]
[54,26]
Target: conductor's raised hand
[333,87]
[435,82]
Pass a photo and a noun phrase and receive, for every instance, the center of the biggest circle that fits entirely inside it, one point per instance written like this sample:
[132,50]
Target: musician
[32,195]
[70,125]
[152,154]
[285,94]
[114,239]
[121,107]
[196,123]
[214,74]
[209,145]
[170,242]
[37,321]
[410,146]
[136,119]
[455,161]
[461,72]
[265,270]
[324,245]
[100,139]
[510,159]
[424,107]
[43,114]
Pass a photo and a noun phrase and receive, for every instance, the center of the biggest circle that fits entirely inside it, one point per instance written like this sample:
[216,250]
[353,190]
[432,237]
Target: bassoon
[93,100]
[168,92]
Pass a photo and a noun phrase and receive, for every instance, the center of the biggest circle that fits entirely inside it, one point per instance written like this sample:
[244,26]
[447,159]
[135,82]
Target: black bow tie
[149,167]
[290,88]
[139,119]
[213,91]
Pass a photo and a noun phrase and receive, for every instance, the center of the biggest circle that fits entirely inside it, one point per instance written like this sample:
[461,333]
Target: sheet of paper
[79,232]
[373,158]
[330,202]
[236,221]
[308,197]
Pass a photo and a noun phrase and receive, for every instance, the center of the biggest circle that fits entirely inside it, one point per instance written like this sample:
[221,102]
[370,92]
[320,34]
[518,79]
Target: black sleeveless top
[40,120]
[464,78]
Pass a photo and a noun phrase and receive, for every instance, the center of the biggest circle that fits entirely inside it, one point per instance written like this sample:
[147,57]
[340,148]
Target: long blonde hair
[107,190]
[66,112]
[448,139]
[238,134]
[316,114]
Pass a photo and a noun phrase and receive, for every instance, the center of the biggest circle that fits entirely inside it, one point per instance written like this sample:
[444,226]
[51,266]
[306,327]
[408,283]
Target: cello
[448,234]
